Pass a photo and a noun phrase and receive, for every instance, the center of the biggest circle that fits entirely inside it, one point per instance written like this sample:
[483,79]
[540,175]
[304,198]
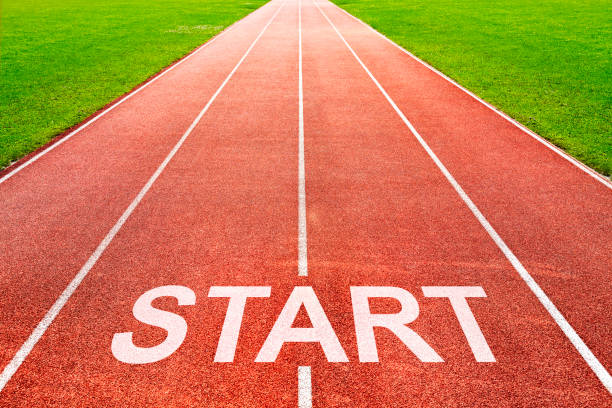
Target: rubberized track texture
[401,243]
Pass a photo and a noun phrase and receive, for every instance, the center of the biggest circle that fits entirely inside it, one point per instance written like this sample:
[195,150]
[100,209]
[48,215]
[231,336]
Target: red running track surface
[224,211]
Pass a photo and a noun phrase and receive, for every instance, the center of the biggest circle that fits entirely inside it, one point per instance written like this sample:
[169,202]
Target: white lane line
[119,102]
[302,243]
[304,387]
[304,376]
[569,331]
[599,177]
[42,326]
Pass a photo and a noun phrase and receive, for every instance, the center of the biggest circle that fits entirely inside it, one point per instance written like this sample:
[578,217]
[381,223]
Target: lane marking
[302,243]
[304,376]
[304,387]
[120,101]
[567,329]
[599,177]
[44,324]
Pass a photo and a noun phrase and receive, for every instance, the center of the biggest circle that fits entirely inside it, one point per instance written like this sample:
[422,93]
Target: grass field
[547,63]
[61,60]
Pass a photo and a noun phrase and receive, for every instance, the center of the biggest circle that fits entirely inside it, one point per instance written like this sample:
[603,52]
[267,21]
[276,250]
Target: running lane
[223,212]
[381,213]
[555,217]
[56,211]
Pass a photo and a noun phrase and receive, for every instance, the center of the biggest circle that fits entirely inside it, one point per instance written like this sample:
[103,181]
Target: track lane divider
[302,237]
[304,387]
[597,176]
[595,365]
[119,102]
[304,372]
[23,352]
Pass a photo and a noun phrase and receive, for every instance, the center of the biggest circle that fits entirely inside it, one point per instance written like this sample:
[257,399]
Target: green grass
[546,63]
[61,60]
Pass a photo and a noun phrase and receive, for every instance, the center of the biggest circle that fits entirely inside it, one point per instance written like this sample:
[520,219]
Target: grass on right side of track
[62,60]
[546,63]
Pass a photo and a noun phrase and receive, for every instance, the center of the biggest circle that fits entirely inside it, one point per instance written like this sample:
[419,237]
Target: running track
[301,148]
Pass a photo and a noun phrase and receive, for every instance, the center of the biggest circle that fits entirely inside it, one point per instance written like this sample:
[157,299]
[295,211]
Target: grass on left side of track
[62,60]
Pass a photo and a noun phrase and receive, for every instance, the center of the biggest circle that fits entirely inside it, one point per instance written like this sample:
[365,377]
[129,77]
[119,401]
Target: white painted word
[321,331]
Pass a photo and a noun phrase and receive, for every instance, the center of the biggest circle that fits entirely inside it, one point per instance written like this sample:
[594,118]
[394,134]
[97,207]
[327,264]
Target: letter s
[124,349]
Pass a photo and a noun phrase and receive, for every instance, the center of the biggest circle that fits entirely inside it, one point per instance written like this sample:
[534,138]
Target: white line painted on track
[304,376]
[302,242]
[304,387]
[119,102]
[599,177]
[569,331]
[44,324]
